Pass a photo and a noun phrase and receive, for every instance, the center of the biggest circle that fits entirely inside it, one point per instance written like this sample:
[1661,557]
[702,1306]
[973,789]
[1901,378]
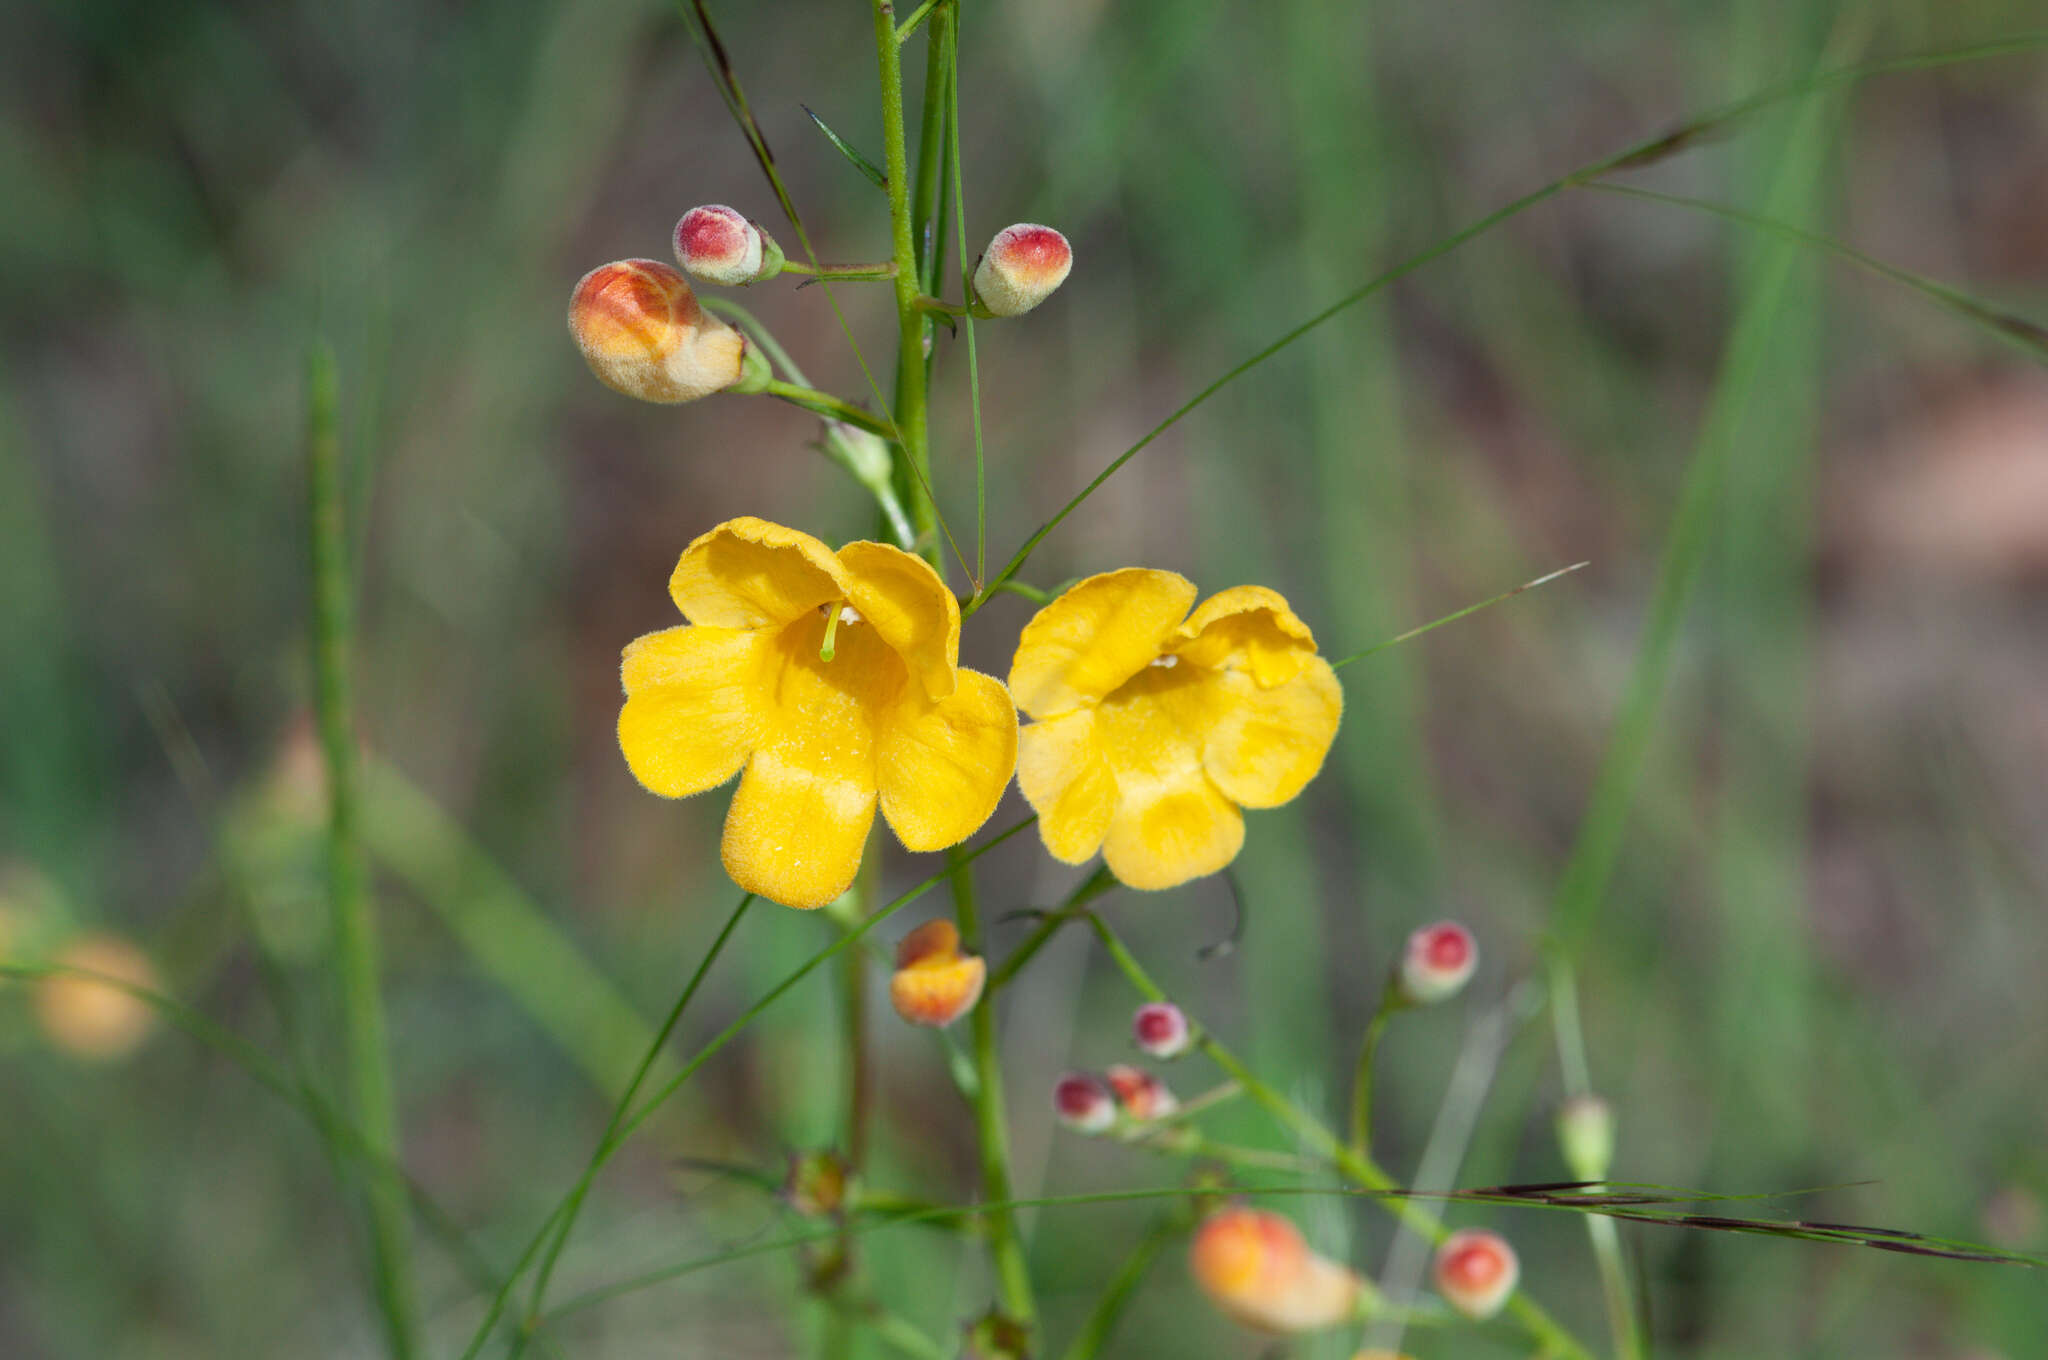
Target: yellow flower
[890,717]
[1155,726]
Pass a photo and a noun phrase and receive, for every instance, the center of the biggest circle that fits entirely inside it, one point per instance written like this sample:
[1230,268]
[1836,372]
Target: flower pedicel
[831,679]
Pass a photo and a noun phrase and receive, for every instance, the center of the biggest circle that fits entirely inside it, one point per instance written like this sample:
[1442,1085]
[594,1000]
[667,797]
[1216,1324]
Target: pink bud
[643,334]
[1143,1096]
[719,245]
[1083,1103]
[1476,1270]
[1021,268]
[1161,1030]
[1438,963]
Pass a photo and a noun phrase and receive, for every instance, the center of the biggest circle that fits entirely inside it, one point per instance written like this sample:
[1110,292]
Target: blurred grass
[1830,884]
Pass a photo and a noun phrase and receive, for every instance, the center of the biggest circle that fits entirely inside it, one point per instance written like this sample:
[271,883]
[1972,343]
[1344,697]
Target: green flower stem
[355,927]
[884,269]
[1091,887]
[825,404]
[1358,1168]
[991,1121]
[912,428]
[1361,1080]
[1116,1296]
[1600,1231]
[917,16]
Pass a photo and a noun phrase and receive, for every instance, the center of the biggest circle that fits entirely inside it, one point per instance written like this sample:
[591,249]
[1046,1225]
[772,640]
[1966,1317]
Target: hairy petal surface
[1065,776]
[748,573]
[1097,635]
[692,716]
[1261,746]
[942,767]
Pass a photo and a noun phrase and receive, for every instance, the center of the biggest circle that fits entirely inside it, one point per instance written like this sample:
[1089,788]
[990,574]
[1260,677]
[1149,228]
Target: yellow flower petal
[748,573]
[1262,746]
[943,766]
[1173,837]
[906,602]
[1065,777]
[802,813]
[691,717]
[1247,627]
[1094,637]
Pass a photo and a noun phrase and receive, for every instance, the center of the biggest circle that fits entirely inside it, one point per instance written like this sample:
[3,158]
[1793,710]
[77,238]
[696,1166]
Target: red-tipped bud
[719,245]
[1161,1030]
[1438,962]
[1257,1268]
[91,1019]
[935,984]
[1476,1270]
[1083,1103]
[643,334]
[1143,1096]
[1020,269]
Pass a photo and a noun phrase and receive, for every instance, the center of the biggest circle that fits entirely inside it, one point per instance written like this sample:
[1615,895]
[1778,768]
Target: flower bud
[1438,962]
[716,244]
[1020,269]
[643,334]
[935,984]
[91,1019]
[1585,1134]
[997,1336]
[815,1185]
[1161,1030]
[1083,1103]
[1476,1270]
[1256,1267]
[1143,1096]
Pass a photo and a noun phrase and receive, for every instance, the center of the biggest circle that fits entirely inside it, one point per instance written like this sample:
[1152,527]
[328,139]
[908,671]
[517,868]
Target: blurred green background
[1819,958]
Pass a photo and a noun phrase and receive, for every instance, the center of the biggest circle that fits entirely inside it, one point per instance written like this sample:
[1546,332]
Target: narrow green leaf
[874,173]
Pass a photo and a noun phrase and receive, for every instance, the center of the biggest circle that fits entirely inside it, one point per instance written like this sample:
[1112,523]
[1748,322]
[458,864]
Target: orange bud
[1438,962]
[1020,269]
[643,334]
[91,1019]
[1476,1270]
[719,245]
[935,984]
[1256,1267]
[1142,1095]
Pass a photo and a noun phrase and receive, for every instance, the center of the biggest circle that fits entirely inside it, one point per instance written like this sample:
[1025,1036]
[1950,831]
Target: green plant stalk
[1090,888]
[354,955]
[1358,1168]
[912,424]
[1116,1295]
[538,1300]
[991,1120]
[825,404]
[1361,1080]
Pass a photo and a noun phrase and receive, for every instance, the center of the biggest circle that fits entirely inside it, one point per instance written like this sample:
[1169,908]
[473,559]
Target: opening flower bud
[1585,1134]
[935,984]
[1020,269]
[91,1019]
[719,245]
[1257,1268]
[1476,1270]
[1143,1096]
[643,334]
[1161,1030]
[1083,1103]
[1438,962]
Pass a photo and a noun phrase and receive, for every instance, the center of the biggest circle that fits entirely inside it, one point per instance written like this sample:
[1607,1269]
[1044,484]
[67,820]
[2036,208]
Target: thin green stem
[1361,1079]
[1359,1168]
[1469,609]
[537,1301]
[1116,1295]
[1090,888]
[354,956]
[910,406]
[991,1121]
[762,336]
[825,404]
[917,16]
[973,355]
[881,269]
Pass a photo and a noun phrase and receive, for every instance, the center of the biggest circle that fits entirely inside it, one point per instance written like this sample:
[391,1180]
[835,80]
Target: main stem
[912,426]
[991,1121]
[355,928]
[1356,1167]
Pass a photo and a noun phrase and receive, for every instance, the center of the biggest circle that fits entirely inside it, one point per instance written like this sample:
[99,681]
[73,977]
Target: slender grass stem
[537,1301]
[354,956]
[1361,1079]
[1090,888]
[1359,1168]
[991,1121]
[825,404]
[1117,1294]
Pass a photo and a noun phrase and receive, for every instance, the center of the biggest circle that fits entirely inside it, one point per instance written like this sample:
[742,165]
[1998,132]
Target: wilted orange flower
[832,680]
[1257,1268]
[1155,726]
[934,983]
[643,333]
